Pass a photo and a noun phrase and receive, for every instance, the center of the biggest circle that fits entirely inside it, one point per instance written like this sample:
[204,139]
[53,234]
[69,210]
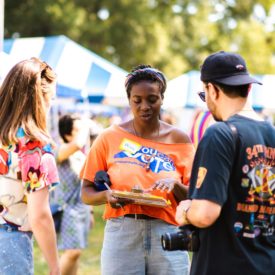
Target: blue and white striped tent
[6,63]
[81,73]
[182,92]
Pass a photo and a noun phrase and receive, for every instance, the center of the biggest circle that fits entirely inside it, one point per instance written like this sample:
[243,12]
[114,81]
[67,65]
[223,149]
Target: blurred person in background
[232,191]
[168,117]
[95,129]
[143,152]
[77,217]
[27,168]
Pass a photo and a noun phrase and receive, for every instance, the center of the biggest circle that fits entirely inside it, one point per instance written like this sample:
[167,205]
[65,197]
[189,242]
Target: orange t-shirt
[125,156]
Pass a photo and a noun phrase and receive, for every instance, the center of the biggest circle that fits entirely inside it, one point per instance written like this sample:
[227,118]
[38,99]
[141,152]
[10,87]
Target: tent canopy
[6,63]
[182,92]
[81,73]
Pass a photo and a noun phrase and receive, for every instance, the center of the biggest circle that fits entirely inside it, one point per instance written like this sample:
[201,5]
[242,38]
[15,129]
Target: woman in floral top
[27,168]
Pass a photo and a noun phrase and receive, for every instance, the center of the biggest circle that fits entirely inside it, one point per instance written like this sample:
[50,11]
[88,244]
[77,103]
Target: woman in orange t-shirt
[152,155]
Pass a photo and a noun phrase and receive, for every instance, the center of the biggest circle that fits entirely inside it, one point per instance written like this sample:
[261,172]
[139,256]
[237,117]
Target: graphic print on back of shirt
[147,157]
[259,183]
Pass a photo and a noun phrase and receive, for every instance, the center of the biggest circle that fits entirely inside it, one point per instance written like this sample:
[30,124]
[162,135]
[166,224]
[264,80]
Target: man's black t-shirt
[239,175]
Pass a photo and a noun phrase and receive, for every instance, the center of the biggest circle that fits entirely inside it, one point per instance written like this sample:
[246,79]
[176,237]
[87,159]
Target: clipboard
[142,198]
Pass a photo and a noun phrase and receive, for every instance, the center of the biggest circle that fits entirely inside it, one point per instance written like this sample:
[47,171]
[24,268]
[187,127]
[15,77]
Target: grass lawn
[90,258]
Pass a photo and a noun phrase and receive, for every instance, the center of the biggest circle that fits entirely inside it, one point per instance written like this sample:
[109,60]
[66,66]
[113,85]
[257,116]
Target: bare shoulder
[180,136]
[127,126]
[173,134]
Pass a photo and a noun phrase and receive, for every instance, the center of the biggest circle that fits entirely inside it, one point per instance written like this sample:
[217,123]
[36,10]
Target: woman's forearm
[44,233]
[92,197]
[41,222]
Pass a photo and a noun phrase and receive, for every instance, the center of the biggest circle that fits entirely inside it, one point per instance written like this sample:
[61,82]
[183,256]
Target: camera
[187,238]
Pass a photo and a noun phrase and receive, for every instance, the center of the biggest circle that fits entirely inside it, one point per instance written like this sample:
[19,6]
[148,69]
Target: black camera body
[187,238]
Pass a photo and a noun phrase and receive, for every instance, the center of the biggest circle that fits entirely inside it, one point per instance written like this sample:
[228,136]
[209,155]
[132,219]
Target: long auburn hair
[22,103]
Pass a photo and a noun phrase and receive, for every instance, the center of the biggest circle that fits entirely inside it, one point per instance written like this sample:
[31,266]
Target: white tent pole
[2,4]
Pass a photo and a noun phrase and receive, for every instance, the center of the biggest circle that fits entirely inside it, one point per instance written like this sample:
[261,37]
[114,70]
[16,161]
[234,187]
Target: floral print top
[30,162]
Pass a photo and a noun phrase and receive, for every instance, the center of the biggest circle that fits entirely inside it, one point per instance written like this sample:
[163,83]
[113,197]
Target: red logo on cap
[240,67]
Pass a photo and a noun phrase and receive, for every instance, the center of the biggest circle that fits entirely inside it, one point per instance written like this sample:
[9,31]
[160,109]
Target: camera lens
[186,238]
[166,241]
[174,241]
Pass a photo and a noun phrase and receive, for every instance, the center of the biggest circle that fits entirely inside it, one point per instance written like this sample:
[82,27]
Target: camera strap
[236,139]
[235,134]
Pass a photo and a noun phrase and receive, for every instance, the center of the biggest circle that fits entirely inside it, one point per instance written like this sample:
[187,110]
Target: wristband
[186,221]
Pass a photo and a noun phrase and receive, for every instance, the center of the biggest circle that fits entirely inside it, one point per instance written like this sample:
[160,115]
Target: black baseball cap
[226,68]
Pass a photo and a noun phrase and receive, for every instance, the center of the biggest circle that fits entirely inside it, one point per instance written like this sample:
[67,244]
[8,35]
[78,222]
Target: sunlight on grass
[90,258]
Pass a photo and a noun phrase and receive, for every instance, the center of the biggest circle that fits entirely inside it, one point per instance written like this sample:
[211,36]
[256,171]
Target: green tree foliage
[172,35]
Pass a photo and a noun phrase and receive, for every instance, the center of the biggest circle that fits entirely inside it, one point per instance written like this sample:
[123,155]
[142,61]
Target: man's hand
[181,212]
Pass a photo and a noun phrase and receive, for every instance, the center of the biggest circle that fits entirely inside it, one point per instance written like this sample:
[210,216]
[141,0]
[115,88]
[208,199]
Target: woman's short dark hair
[145,73]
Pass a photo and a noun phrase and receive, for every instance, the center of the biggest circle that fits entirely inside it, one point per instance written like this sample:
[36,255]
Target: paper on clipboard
[142,198]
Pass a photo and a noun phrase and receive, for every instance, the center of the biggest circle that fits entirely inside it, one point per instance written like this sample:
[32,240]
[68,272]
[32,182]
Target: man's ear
[211,91]
[215,90]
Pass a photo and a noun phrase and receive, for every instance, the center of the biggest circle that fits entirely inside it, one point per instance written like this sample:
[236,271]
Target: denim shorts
[15,252]
[133,247]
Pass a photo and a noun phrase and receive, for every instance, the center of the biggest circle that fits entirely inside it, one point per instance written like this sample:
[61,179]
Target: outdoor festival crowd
[165,201]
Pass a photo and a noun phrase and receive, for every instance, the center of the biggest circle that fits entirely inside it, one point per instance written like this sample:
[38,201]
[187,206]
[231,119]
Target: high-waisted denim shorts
[16,256]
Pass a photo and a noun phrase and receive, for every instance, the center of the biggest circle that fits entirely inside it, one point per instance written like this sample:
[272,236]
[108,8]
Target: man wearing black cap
[232,187]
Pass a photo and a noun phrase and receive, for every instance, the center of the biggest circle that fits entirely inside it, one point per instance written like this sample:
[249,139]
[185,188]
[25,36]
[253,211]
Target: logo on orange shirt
[129,146]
